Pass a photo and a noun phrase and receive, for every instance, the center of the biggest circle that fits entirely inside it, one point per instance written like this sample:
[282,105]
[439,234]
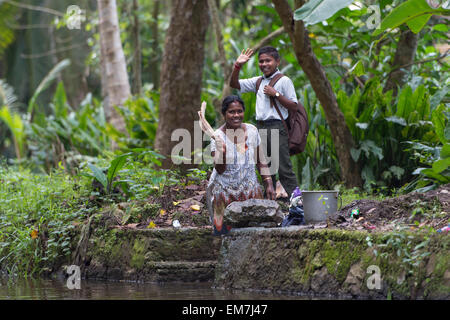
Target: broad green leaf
[306,176]
[416,24]
[403,100]
[430,173]
[420,102]
[447,131]
[438,120]
[99,175]
[438,96]
[59,101]
[445,152]
[315,11]
[440,165]
[115,167]
[407,11]
[440,27]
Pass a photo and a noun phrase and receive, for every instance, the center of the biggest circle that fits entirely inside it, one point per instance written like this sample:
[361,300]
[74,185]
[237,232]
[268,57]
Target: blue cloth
[295,218]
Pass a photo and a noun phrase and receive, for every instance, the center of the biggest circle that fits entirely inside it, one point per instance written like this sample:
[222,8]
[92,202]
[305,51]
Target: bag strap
[272,99]
[274,104]
[272,82]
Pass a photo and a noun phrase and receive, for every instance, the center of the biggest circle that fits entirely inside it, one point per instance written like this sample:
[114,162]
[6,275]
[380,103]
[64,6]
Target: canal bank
[294,260]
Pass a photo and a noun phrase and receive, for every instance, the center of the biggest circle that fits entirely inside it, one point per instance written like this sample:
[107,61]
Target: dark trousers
[287,177]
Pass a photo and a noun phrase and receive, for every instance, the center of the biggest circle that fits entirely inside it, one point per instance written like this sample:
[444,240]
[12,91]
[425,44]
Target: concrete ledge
[331,262]
[185,254]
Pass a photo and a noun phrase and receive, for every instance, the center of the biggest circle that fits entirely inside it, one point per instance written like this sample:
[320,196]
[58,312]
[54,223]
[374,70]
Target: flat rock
[253,213]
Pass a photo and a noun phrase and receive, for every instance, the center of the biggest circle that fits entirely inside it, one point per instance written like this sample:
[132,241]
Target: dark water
[44,289]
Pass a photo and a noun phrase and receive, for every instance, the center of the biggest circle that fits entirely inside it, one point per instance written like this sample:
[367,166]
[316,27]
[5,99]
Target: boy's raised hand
[244,56]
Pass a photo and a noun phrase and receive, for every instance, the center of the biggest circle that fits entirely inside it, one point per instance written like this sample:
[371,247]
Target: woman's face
[234,115]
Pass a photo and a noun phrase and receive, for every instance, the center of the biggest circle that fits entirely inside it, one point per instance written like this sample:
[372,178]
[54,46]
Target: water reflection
[46,289]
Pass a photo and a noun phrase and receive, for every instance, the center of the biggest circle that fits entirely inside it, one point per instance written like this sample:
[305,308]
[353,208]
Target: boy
[266,115]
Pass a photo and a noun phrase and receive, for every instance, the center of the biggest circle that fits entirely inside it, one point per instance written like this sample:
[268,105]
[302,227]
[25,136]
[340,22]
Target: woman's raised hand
[244,56]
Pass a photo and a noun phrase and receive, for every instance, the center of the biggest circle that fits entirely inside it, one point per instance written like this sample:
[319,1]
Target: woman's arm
[219,161]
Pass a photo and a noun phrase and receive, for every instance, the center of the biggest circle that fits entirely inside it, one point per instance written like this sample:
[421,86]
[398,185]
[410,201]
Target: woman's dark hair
[271,51]
[230,99]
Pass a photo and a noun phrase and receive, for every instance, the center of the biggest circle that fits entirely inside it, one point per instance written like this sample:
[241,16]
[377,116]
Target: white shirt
[264,110]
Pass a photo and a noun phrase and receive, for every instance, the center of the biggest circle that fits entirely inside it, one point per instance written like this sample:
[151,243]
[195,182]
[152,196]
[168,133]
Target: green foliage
[415,13]
[141,114]
[37,216]
[381,128]
[315,11]
[410,249]
[67,136]
[15,124]
[437,167]
[136,172]
[8,104]
[115,166]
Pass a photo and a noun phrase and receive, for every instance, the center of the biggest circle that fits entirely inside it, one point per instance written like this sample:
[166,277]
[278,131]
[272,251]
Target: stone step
[156,271]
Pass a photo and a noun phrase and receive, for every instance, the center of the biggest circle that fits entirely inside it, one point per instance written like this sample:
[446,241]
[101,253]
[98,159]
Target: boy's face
[268,64]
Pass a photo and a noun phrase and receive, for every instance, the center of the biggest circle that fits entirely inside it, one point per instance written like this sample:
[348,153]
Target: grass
[350,195]
[37,213]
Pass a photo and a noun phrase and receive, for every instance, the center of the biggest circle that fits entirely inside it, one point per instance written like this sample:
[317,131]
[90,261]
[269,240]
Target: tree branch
[267,39]
[447,53]
[48,53]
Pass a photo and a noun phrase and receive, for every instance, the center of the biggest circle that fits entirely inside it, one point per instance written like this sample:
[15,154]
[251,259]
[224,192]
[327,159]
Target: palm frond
[46,82]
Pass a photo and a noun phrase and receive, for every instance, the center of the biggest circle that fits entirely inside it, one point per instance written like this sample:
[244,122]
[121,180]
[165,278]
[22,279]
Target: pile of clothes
[296,214]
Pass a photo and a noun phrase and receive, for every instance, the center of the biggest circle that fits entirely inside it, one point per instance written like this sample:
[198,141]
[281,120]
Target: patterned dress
[238,182]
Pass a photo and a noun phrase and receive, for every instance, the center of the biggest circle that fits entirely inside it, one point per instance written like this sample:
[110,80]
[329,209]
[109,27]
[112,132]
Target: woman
[234,150]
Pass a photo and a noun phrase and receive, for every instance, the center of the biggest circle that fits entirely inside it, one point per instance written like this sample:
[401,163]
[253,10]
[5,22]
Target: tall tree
[342,138]
[115,84]
[181,71]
